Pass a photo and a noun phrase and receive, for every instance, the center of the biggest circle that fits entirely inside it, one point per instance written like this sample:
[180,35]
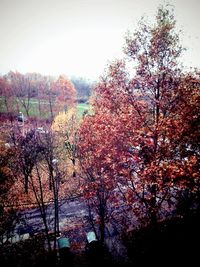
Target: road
[69,212]
[73,223]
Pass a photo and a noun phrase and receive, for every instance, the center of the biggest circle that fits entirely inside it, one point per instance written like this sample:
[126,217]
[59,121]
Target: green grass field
[81,108]
[34,110]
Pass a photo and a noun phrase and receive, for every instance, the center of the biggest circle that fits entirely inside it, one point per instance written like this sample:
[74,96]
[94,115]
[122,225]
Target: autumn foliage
[134,159]
[143,136]
[65,93]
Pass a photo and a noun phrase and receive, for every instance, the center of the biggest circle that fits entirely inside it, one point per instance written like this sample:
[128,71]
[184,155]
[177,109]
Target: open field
[81,108]
[34,108]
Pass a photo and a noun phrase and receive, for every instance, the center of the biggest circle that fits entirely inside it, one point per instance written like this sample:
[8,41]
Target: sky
[80,37]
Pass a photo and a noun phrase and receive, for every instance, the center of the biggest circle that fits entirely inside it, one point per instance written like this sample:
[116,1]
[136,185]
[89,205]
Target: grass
[34,110]
[81,108]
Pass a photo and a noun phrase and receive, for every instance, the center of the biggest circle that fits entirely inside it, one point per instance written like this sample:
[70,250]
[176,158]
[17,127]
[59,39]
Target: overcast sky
[78,37]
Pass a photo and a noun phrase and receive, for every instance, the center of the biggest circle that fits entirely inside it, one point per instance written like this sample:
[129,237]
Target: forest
[105,172]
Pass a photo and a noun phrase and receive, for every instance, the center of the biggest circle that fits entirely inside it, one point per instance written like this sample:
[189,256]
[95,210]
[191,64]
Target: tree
[42,169]
[39,174]
[160,80]
[185,141]
[83,88]
[41,93]
[7,95]
[65,128]
[8,214]
[95,165]
[21,88]
[65,94]
[147,115]
[104,140]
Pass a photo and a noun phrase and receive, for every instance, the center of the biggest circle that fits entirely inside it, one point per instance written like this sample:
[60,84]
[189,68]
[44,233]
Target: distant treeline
[52,94]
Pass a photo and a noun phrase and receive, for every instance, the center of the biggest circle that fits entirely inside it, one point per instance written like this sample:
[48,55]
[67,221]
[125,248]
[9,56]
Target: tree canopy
[143,134]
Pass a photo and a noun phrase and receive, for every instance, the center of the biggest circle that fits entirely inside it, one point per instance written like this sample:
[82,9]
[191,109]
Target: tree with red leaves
[21,87]
[142,136]
[65,93]
[7,96]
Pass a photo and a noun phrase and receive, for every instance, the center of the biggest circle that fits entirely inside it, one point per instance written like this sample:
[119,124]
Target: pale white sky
[78,37]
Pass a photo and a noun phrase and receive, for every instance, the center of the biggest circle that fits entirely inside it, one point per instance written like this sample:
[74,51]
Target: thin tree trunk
[42,208]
